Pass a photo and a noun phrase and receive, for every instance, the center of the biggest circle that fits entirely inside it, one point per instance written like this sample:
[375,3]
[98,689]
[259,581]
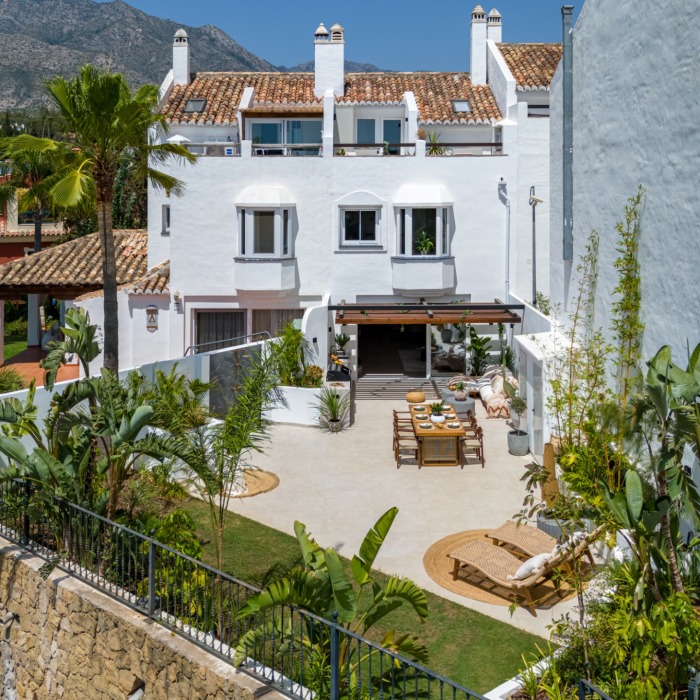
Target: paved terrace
[338,485]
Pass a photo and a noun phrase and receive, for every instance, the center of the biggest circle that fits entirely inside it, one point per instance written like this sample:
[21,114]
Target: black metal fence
[303,655]
[587,691]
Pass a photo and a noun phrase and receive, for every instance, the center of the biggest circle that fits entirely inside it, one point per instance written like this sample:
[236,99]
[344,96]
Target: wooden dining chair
[473,445]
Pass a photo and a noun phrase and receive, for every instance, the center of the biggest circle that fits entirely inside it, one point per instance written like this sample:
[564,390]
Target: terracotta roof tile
[155,281]
[294,92]
[45,232]
[76,264]
[532,65]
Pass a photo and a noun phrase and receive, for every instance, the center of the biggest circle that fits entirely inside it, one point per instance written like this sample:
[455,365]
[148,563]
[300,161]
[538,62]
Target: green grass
[14,344]
[468,647]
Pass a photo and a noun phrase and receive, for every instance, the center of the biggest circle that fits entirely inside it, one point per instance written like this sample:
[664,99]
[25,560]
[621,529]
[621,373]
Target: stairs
[393,387]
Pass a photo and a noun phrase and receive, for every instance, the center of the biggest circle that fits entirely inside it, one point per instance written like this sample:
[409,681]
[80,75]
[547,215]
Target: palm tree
[32,175]
[109,123]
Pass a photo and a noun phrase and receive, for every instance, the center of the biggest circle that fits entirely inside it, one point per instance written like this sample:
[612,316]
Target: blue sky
[392,34]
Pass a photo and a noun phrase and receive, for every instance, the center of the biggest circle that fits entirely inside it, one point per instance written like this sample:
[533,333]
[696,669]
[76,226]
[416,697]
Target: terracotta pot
[415,396]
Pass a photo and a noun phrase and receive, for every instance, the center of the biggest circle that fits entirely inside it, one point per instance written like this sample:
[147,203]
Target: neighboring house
[331,188]
[635,122]
[74,269]
[635,109]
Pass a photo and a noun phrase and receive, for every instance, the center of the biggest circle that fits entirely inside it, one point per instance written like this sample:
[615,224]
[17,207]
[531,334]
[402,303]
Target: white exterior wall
[329,67]
[204,223]
[533,169]
[635,94]
[502,83]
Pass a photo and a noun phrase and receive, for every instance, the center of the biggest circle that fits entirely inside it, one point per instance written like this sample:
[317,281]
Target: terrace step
[393,387]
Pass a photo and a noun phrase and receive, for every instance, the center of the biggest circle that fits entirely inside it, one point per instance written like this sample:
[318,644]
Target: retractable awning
[409,314]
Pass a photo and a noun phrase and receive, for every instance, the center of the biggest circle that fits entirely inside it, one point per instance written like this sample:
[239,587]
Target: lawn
[14,344]
[468,647]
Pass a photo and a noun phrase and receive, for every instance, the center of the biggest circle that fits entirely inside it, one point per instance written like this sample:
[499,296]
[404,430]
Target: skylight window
[195,105]
[461,106]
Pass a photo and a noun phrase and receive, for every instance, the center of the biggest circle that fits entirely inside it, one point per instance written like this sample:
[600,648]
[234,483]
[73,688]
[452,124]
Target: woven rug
[258,481]
[439,567]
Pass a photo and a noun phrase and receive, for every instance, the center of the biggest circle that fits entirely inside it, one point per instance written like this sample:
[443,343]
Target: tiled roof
[76,266]
[155,281]
[294,92]
[434,93]
[532,65]
[29,232]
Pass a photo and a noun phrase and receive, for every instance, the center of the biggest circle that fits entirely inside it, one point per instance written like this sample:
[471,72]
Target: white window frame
[246,232]
[283,128]
[376,243]
[165,219]
[443,232]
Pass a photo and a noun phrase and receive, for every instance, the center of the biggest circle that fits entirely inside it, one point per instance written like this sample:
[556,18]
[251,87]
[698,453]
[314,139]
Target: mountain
[43,38]
[350,67]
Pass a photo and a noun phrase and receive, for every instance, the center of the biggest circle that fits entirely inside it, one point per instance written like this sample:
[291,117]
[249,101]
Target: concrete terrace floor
[339,484]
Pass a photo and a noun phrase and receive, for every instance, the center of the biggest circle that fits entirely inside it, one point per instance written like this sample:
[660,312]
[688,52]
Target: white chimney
[478,46]
[329,60]
[494,26]
[181,58]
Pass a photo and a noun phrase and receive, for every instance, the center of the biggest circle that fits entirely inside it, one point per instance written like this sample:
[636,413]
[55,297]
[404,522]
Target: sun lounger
[526,539]
[492,565]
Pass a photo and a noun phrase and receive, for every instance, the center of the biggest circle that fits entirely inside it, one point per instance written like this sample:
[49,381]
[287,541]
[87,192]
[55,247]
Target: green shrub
[16,327]
[10,380]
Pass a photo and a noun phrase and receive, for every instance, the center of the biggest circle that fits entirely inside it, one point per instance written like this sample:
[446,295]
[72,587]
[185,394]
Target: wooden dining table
[438,443]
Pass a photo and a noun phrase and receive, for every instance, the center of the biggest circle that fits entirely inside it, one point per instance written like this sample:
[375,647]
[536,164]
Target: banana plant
[665,420]
[637,520]
[323,587]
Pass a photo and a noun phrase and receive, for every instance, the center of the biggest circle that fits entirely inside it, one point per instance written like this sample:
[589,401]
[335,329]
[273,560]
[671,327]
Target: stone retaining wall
[71,641]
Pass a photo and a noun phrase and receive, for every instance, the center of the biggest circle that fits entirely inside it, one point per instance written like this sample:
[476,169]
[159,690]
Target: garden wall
[70,641]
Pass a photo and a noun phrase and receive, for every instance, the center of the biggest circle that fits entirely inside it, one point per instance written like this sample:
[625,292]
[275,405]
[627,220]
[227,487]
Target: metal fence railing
[303,655]
[587,691]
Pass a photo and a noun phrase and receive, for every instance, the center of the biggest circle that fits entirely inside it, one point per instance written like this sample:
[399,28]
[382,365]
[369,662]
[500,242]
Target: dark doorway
[392,349]
[216,329]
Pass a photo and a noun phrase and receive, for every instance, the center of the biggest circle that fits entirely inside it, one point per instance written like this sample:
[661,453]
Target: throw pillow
[529,567]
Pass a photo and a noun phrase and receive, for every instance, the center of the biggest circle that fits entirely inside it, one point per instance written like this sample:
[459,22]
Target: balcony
[265,274]
[427,274]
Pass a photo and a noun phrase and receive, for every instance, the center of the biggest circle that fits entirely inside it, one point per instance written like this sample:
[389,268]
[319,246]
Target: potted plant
[341,340]
[424,244]
[517,408]
[436,410]
[333,408]
[460,391]
[433,148]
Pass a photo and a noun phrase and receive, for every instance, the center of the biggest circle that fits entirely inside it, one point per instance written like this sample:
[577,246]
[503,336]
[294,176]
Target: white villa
[327,188]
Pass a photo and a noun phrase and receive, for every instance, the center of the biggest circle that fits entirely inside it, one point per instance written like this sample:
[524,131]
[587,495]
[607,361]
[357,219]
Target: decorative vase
[460,395]
[518,443]
[437,418]
[415,396]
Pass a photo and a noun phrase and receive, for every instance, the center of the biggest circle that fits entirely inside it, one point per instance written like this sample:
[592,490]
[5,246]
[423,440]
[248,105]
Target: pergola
[425,313]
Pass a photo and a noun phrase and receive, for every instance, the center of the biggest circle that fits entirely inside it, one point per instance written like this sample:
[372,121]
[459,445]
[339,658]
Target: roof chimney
[478,46]
[494,26]
[181,58]
[329,60]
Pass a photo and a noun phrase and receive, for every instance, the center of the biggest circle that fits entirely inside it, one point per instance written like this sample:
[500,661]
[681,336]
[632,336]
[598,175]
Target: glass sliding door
[304,131]
[392,134]
[215,329]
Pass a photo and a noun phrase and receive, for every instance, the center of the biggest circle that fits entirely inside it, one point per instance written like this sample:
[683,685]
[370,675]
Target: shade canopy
[265,197]
[423,196]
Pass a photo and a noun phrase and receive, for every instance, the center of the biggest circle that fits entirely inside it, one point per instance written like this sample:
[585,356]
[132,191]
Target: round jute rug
[258,481]
[439,567]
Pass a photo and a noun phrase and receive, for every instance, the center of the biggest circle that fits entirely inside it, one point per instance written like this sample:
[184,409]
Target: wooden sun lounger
[526,539]
[494,564]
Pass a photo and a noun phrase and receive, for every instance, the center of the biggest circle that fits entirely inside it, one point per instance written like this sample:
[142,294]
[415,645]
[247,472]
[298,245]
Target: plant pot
[437,418]
[446,335]
[514,419]
[460,395]
[335,426]
[518,443]
[549,526]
